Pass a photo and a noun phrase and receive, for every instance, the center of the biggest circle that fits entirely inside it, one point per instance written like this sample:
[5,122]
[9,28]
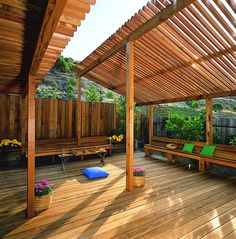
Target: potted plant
[139,176]
[118,142]
[43,195]
[10,152]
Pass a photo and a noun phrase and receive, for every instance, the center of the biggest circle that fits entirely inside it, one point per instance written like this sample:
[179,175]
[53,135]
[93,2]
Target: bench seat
[216,160]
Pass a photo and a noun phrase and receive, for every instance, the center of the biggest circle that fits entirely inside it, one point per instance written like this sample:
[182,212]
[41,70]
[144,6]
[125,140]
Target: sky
[104,18]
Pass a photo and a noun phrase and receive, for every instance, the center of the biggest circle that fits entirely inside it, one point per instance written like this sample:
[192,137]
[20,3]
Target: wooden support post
[79,112]
[129,115]
[23,119]
[209,126]
[150,110]
[31,147]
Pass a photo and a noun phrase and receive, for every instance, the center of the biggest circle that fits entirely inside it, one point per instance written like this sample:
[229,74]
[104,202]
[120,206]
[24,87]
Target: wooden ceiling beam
[159,18]
[51,19]
[189,98]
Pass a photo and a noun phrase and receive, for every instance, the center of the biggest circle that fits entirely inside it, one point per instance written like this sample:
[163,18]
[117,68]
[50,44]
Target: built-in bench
[224,154]
[47,147]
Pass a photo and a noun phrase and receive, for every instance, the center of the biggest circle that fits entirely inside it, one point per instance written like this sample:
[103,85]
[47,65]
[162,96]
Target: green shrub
[47,92]
[92,94]
[217,107]
[71,86]
[110,95]
[191,128]
[233,141]
[195,104]
[121,113]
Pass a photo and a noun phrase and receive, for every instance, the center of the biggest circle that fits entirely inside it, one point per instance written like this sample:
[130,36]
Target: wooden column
[150,111]
[23,115]
[129,115]
[209,127]
[79,112]
[31,147]
[209,121]
[209,132]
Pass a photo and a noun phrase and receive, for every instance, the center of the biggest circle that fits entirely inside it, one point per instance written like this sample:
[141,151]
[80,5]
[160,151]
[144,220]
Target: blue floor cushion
[95,172]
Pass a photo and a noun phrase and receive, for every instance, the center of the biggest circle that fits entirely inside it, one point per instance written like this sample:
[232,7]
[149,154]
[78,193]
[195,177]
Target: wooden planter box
[10,158]
[118,147]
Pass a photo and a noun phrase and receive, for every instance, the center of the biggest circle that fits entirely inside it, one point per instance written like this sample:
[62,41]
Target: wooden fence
[56,118]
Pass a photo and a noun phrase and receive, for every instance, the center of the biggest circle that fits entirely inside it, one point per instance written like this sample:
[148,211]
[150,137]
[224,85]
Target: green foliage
[121,112]
[110,95]
[47,92]
[234,108]
[233,141]
[195,104]
[92,94]
[217,107]
[65,64]
[71,87]
[191,128]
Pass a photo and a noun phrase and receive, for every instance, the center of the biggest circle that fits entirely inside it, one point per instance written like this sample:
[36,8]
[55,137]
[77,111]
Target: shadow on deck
[174,203]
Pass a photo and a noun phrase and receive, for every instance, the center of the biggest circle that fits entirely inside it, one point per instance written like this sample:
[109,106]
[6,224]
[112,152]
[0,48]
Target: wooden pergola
[169,51]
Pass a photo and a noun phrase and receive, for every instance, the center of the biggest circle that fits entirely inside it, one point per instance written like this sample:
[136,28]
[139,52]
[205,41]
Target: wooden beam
[156,20]
[31,147]
[188,98]
[150,110]
[51,19]
[79,112]
[129,115]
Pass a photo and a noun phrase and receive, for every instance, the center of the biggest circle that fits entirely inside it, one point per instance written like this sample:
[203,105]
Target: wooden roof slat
[188,56]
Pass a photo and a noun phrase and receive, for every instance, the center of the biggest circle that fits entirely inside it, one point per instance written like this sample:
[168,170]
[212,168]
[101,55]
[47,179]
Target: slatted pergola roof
[32,36]
[189,54]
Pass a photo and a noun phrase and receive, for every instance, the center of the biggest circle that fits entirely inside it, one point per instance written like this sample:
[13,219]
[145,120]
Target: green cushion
[208,150]
[188,148]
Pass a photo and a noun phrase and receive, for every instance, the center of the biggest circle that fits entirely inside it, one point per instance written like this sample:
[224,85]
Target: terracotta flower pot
[42,203]
[139,181]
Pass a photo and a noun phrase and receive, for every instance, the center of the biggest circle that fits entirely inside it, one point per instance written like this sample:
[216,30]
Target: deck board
[175,203]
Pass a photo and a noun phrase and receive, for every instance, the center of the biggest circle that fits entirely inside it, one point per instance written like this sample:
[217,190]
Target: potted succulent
[43,195]
[139,176]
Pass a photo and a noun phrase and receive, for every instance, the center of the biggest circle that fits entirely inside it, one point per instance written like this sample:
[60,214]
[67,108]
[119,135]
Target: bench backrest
[222,151]
[85,141]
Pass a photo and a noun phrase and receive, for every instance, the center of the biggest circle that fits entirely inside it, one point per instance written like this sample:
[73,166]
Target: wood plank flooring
[175,203]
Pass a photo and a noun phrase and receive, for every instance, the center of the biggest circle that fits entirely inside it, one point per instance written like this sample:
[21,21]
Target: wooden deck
[175,203]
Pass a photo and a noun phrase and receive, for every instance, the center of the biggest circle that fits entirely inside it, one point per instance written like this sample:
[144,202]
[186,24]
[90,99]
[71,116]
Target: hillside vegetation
[61,83]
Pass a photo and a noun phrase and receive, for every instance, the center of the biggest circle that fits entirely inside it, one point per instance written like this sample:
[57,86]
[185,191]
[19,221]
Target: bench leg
[201,166]
[102,156]
[109,152]
[62,164]
[148,153]
[170,157]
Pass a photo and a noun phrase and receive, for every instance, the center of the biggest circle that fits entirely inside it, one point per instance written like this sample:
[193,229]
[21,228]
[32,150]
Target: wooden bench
[224,154]
[47,147]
